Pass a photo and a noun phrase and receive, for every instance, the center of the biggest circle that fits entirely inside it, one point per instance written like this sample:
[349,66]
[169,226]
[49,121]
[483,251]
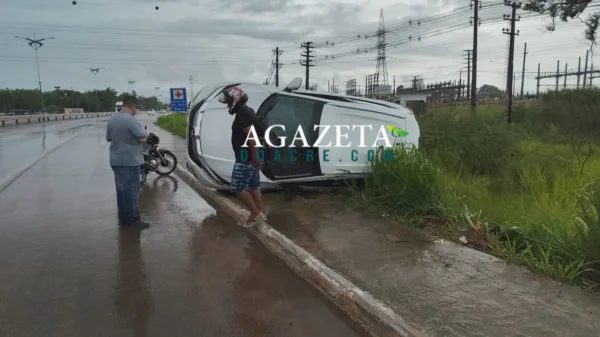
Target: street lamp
[37,44]
[95,72]
[131,83]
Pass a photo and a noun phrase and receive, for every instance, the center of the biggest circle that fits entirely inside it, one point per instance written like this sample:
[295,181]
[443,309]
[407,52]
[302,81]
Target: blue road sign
[178,100]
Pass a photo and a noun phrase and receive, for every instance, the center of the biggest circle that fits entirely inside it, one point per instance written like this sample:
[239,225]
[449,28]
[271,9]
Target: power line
[124,61]
[411,24]
[410,38]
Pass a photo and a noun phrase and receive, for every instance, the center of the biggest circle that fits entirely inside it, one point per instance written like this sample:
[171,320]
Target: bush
[534,185]
[480,145]
[565,115]
[409,185]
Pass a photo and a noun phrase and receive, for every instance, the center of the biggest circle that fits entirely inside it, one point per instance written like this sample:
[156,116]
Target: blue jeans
[127,182]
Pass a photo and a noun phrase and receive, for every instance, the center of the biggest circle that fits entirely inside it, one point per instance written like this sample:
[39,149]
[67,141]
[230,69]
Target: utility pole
[587,54]
[460,85]
[511,54]
[307,62]
[36,44]
[565,81]
[537,90]
[95,72]
[579,72]
[557,74]
[468,73]
[278,65]
[191,87]
[476,5]
[523,71]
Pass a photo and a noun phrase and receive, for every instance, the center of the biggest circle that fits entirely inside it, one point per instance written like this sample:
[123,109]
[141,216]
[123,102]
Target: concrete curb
[4,184]
[373,315]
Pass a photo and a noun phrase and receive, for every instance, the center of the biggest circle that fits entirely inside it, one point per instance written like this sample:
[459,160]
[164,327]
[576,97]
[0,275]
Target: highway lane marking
[7,182]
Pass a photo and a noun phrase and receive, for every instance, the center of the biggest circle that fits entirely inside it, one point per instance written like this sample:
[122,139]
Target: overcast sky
[227,40]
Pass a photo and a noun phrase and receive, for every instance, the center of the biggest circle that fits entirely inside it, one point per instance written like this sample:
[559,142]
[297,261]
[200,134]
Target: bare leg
[246,198]
[257,198]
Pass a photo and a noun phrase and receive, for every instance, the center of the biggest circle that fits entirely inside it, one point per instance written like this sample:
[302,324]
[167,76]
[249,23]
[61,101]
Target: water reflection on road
[67,269]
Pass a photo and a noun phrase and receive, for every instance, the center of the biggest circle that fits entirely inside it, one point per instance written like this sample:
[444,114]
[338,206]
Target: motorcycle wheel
[143,176]
[172,163]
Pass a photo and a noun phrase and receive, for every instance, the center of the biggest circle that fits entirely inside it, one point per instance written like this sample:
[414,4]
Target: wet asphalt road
[67,270]
[21,144]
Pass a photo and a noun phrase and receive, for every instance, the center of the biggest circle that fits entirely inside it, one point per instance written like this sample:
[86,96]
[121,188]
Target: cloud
[258,6]
[226,40]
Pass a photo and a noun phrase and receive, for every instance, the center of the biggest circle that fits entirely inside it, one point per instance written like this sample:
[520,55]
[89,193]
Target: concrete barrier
[16,120]
[374,316]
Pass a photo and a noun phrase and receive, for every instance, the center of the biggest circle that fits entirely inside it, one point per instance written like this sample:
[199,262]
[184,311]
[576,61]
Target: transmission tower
[381,63]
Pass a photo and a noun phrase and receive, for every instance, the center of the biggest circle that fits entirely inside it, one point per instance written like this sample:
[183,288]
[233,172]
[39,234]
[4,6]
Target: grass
[175,123]
[528,192]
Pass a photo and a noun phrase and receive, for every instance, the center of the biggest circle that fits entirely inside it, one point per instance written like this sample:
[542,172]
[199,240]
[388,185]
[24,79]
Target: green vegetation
[528,192]
[175,123]
[20,101]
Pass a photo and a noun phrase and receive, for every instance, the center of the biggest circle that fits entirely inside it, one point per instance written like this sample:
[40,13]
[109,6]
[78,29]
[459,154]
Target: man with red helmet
[245,177]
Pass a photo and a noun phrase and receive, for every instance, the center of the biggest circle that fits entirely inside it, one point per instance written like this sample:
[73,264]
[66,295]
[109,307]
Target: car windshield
[204,93]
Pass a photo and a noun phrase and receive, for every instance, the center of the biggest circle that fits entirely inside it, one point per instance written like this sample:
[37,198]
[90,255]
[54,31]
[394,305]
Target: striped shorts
[245,177]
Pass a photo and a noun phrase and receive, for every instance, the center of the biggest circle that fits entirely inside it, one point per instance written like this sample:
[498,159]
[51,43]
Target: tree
[20,101]
[566,10]
[489,91]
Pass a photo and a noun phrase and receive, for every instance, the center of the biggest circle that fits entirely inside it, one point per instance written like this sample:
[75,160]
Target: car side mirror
[145,127]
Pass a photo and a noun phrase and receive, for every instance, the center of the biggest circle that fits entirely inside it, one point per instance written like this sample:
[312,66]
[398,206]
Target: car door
[291,161]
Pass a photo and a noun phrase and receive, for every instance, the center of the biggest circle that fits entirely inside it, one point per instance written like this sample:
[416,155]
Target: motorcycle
[156,160]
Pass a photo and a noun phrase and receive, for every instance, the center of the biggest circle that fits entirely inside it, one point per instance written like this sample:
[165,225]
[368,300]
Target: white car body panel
[341,159]
[211,158]
[216,139]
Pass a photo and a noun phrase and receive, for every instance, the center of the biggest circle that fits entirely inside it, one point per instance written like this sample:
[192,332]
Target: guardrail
[27,119]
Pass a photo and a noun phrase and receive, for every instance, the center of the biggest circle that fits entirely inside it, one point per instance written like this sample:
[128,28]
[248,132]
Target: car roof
[374,104]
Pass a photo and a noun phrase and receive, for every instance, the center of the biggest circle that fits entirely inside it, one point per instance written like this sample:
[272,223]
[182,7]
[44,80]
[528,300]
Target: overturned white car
[329,137]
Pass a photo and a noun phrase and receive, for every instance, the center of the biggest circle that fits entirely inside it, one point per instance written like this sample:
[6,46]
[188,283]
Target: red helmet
[233,97]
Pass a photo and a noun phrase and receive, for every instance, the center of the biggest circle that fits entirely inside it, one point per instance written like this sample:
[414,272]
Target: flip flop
[251,223]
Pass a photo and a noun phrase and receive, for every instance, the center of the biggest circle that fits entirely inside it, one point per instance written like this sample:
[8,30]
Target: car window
[293,112]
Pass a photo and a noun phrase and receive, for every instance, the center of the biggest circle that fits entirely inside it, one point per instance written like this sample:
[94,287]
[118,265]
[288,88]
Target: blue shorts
[245,177]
